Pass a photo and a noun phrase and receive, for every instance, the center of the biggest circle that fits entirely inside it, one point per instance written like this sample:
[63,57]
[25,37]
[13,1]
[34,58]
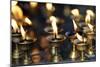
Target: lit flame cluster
[18,14]
[50,7]
[89,14]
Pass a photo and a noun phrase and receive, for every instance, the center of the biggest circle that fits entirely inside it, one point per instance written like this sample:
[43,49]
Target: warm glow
[17,12]
[23,33]
[54,25]
[49,6]
[90,12]
[90,26]
[79,37]
[14,25]
[13,3]
[87,19]
[75,12]
[33,4]
[28,21]
[75,26]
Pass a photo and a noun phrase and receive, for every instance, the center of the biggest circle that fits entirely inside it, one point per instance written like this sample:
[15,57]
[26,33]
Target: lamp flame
[49,6]
[87,18]
[79,37]
[54,26]
[90,12]
[17,12]
[23,33]
[14,25]
[75,26]
[13,3]
[33,4]
[27,20]
[75,12]
[90,26]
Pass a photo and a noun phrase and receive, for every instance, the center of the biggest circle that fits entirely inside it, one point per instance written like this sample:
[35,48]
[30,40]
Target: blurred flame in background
[33,4]
[49,6]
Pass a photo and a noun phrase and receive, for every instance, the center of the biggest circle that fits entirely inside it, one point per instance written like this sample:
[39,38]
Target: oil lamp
[25,40]
[81,45]
[55,39]
[74,54]
[90,34]
[15,39]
